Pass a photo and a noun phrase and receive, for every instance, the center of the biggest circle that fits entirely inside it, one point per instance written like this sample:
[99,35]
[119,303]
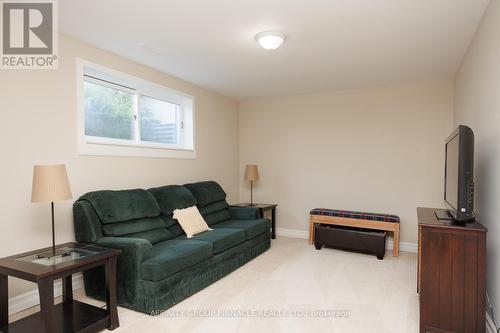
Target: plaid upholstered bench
[374,221]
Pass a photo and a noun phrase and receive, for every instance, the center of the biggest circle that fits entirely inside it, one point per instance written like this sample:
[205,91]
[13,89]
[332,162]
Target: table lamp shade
[50,183]
[251,172]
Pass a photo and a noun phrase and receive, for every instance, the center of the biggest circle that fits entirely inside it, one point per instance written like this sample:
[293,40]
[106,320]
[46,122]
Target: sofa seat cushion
[153,236]
[252,228]
[221,239]
[172,256]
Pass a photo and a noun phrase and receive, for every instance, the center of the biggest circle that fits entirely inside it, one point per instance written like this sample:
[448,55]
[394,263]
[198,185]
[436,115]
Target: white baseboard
[31,298]
[404,246]
[295,233]
[292,233]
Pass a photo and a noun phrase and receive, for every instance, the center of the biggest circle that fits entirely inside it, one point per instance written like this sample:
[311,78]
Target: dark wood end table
[264,210]
[70,315]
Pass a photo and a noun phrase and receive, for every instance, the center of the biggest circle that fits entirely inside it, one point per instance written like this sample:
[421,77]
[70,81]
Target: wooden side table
[265,211]
[70,315]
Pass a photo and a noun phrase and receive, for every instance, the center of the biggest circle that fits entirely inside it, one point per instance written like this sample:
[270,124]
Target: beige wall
[38,125]
[477,104]
[376,149]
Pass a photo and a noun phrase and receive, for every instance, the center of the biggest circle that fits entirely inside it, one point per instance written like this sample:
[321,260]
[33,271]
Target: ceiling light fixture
[270,40]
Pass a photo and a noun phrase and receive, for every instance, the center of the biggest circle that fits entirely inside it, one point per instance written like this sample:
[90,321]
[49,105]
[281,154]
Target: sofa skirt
[152,297]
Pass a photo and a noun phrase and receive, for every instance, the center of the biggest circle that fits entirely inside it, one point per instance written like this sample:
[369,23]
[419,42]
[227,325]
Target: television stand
[451,274]
[443,215]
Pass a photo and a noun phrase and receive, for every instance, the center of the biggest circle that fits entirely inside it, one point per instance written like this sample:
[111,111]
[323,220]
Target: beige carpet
[295,288]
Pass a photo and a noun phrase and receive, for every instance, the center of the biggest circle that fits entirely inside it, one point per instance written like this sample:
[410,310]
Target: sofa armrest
[244,213]
[88,228]
[134,249]
[128,269]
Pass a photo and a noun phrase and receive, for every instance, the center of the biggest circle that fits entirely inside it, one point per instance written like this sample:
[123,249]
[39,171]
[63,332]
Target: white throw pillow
[191,221]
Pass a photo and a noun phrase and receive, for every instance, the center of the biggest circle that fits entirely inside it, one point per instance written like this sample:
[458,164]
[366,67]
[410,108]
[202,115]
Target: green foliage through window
[108,112]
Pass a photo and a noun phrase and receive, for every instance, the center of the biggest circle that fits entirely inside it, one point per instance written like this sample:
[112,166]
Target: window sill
[98,149]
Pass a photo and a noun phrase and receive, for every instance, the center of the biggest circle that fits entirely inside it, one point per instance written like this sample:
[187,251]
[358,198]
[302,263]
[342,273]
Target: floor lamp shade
[251,172]
[50,183]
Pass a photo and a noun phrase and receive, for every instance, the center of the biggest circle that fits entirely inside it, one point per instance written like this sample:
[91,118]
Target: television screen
[451,193]
[459,174]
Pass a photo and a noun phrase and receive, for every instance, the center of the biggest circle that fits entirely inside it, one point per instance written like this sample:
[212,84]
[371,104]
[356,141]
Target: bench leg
[395,247]
[311,232]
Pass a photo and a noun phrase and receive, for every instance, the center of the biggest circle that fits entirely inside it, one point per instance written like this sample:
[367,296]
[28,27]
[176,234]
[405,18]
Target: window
[121,115]
[109,112]
[159,120]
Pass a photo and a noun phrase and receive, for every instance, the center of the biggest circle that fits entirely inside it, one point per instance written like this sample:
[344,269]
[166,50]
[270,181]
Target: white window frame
[99,146]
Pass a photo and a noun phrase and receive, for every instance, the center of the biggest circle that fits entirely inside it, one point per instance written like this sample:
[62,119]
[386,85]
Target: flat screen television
[459,174]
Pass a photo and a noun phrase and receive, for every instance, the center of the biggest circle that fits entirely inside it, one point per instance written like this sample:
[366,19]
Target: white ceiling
[331,44]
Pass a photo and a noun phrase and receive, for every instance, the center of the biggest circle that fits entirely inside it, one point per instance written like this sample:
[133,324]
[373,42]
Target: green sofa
[159,266]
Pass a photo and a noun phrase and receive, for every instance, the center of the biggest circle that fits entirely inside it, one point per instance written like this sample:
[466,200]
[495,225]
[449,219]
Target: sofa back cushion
[172,197]
[211,200]
[151,229]
[215,212]
[129,213]
[175,229]
[132,226]
[206,192]
[172,225]
[125,205]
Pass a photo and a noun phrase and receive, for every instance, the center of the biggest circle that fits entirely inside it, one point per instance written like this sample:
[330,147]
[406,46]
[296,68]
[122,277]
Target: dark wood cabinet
[451,274]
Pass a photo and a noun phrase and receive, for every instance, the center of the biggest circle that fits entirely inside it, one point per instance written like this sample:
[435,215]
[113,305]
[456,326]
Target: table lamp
[50,184]
[251,174]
